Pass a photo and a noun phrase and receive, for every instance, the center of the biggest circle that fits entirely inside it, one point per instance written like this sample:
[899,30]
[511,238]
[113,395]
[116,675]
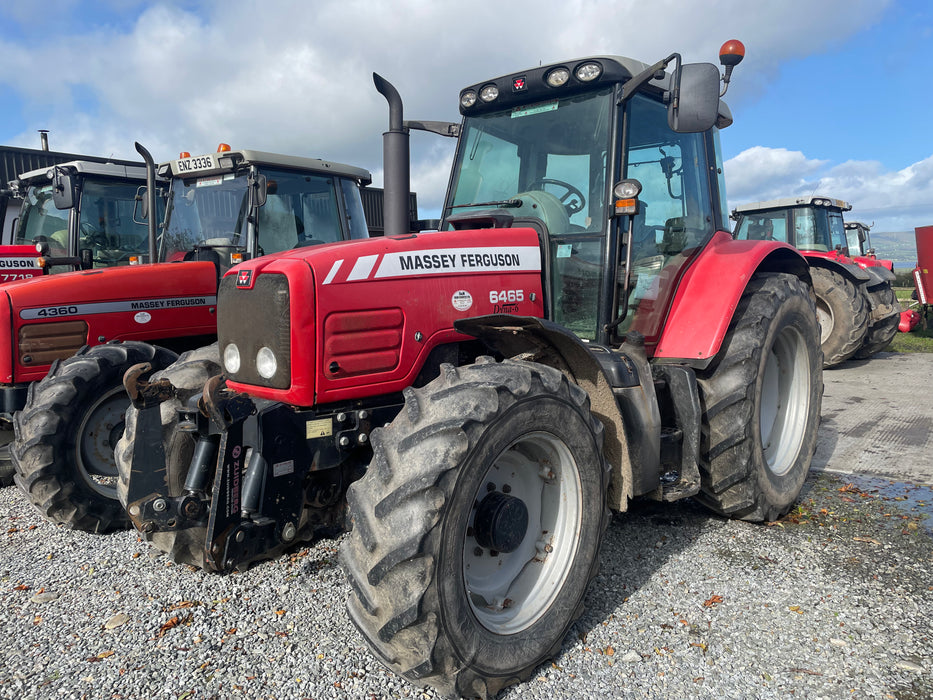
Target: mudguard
[709,293]
[841,264]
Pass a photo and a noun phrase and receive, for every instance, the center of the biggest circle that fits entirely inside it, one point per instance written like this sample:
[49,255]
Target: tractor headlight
[232,358]
[266,363]
[489,93]
[587,72]
[557,77]
[468,99]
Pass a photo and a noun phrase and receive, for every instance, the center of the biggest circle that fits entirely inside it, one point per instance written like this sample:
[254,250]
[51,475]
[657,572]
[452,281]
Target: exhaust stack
[395,162]
[44,139]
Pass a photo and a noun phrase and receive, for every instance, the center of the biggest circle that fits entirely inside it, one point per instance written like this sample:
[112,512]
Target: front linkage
[261,475]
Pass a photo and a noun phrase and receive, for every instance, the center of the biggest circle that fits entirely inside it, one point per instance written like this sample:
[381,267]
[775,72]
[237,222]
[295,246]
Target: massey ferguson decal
[18,263]
[438,262]
[110,307]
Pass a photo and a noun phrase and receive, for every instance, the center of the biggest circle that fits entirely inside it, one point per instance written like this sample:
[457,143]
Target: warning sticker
[323,427]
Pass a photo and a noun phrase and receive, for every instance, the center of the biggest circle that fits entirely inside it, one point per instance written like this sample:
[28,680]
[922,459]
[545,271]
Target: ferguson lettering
[450,260]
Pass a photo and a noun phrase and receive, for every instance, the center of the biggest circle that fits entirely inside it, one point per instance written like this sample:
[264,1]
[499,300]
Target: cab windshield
[545,161]
[300,209]
[106,225]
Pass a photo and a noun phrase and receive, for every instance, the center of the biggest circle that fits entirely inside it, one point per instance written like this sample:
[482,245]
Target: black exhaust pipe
[151,211]
[396,164]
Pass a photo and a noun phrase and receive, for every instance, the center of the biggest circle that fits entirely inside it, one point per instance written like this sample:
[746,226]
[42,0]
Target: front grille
[253,318]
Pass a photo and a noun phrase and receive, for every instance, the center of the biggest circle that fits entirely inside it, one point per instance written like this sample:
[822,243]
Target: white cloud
[894,200]
[296,76]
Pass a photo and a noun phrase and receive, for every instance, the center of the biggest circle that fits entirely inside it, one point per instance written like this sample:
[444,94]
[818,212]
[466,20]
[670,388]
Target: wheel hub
[501,522]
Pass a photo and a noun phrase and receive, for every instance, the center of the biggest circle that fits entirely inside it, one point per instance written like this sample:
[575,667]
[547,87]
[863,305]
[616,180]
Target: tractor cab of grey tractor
[79,215]
[233,205]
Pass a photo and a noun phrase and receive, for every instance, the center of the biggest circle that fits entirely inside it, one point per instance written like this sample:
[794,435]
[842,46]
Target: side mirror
[694,104]
[259,186]
[141,204]
[63,190]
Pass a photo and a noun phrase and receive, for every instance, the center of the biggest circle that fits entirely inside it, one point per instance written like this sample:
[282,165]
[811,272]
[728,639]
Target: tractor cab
[860,248]
[80,215]
[812,224]
[549,148]
[231,206]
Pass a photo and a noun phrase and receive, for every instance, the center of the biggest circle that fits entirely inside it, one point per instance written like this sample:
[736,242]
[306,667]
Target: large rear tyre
[882,332]
[842,309]
[188,376]
[761,403]
[477,527]
[65,435]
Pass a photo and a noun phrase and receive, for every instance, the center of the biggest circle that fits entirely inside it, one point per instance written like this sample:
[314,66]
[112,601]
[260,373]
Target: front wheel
[65,435]
[478,525]
[761,402]
[881,332]
[188,376]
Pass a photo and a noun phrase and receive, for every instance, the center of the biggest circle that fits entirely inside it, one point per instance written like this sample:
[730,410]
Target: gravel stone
[833,601]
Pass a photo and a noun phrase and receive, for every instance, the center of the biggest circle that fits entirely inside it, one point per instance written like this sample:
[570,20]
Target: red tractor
[75,215]
[475,402]
[220,208]
[858,310]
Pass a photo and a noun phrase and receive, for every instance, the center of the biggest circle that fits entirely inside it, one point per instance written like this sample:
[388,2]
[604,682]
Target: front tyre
[478,525]
[761,402]
[65,435]
[188,376]
[881,332]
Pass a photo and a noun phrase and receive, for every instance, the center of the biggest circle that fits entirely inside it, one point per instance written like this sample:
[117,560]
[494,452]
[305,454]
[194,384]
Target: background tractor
[75,215]
[582,330]
[858,310]
[63,395]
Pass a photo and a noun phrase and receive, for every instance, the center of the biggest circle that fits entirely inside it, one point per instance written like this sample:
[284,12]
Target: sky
[834,96]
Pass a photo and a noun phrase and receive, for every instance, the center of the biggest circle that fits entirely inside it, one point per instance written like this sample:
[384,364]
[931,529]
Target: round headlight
[468,99]
[626,189]
[266,364]
[557,77]
[232,358]
[489,93]
[588,71]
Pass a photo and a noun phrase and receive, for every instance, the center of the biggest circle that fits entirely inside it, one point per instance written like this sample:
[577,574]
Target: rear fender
[849,270]
[709,293]
[545,342]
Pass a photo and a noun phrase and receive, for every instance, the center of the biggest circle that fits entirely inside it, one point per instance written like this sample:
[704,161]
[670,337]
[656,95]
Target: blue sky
[834,96]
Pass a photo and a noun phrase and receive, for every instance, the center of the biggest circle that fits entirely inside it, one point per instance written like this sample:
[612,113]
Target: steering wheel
[92,237]
[573,199]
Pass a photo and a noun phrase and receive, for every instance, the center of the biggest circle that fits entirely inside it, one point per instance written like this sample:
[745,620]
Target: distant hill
[899,246]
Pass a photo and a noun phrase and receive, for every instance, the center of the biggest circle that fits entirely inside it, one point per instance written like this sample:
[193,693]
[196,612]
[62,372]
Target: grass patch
[915,341]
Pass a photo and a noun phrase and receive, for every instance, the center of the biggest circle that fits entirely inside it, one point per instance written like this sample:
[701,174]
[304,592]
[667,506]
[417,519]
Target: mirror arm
[648,74]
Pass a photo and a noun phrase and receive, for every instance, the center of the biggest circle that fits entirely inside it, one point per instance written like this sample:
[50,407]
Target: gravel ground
[835,601]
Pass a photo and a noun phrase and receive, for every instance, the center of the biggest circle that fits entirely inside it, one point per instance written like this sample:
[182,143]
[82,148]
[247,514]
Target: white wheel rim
[101,427]
[825,317]
[785,401]
[509,592]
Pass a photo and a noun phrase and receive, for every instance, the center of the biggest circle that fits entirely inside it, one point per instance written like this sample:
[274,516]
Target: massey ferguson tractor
[76,215]
[858,237]
[219,208]
[475,402]
[857,307]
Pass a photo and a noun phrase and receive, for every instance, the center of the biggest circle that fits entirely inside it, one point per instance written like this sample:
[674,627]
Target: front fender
[709,293]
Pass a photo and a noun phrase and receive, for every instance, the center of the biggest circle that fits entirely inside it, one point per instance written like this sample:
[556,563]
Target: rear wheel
[842,309]
[761,403]
[66,433]
[188,376]
[882,332]
[477,527]
[6,465]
